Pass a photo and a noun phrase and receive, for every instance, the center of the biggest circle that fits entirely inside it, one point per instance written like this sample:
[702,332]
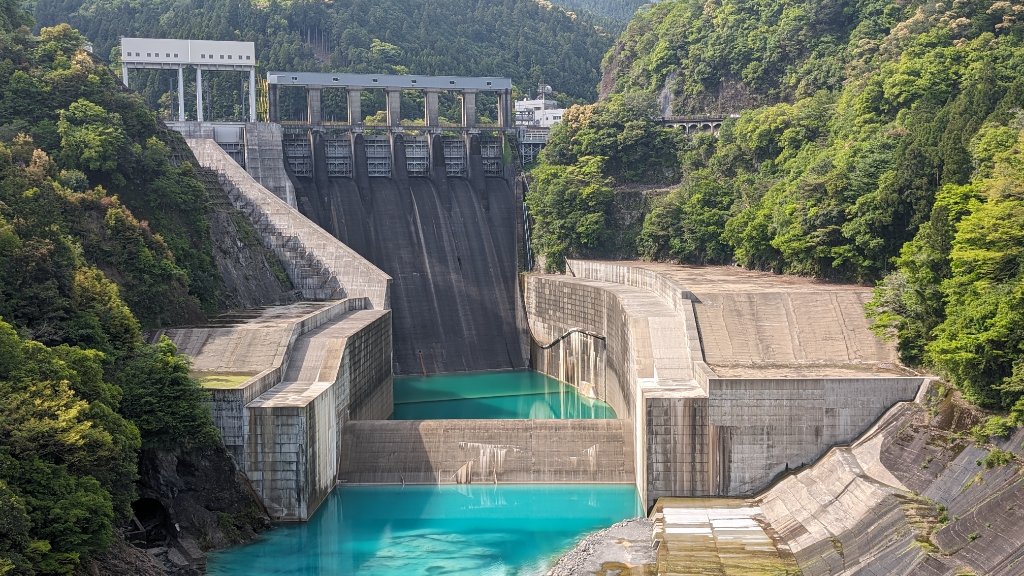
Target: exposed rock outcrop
[190,502]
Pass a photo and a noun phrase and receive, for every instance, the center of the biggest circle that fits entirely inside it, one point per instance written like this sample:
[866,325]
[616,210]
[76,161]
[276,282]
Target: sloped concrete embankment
[912,496]
[451,245]
[474,451]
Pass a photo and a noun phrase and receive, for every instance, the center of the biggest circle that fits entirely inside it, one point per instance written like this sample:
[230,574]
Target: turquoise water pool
[499,395]
[471,530]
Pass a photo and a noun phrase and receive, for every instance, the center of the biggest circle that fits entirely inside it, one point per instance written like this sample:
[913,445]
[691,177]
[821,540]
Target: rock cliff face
[916,495]
[191,502]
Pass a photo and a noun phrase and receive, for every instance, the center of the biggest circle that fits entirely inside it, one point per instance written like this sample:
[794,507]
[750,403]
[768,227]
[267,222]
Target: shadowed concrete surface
[450,245]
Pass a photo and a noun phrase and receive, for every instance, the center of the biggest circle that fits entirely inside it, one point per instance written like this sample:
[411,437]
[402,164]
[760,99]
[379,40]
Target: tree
[568,204]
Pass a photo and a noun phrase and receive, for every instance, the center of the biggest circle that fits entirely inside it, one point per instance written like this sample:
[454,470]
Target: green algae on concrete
[717,536]
[222,381]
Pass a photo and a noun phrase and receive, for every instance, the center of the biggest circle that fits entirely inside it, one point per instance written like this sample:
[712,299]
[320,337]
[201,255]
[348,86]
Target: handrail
[569,333]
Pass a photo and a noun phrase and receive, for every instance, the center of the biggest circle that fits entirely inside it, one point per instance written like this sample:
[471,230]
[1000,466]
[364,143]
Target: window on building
[175,54]
[221,56]
[168,55]
[149,55]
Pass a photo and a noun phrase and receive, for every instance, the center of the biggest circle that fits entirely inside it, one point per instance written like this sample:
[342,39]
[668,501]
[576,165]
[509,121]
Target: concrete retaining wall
[451,451]
[292,450]
[228,404]
[319,265]
[711,435]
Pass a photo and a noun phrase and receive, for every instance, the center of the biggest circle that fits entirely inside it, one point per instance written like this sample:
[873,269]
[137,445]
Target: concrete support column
[469,108]
[394,105]
[355,108]
[272,114]
[504,110]
[252,94]
[199,93]
[313,101]
[181,94]
[124,74]
[430,108]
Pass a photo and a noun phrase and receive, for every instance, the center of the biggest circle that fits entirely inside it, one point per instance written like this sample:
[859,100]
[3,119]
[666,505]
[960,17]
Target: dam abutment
[719,406]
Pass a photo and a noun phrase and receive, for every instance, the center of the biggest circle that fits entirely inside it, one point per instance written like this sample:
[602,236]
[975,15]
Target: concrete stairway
[319,265]
[264,159]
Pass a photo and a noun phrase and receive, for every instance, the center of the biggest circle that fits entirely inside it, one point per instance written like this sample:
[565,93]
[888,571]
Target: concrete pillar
[430,108]
[252,94]
[181,94]
[124,74]
[469,108]
[355,108]
[394,105]
[313,101]
[199,93]
[272,114]
[504,110]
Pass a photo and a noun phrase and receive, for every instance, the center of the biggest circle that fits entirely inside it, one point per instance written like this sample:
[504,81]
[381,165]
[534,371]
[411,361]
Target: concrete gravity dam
[752,396]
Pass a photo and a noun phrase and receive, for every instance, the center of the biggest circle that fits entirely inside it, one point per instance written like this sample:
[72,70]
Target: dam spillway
[449,244]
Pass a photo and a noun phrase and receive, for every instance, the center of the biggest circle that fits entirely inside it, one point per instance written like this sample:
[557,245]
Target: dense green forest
[617,11]
[883,143]
[520,39]
[81,161]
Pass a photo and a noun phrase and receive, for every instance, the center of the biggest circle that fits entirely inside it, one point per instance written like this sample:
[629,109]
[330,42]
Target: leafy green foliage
[67,460]
[615,10]
[996,458]
[77,268]
[568,204]
[163,401]
[96,141]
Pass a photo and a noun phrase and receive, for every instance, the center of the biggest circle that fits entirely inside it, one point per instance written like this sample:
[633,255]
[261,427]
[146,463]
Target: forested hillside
[80,274]
[520,39]
[617,11]
[877,142]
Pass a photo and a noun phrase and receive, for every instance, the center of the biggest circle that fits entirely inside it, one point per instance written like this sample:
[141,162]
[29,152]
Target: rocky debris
[623,549]
[122,558]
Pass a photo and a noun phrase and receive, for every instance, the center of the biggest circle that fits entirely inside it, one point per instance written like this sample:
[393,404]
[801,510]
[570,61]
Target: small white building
[540,112]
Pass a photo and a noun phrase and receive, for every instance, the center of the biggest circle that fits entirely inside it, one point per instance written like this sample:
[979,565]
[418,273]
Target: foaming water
[496,395]
[478,530]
